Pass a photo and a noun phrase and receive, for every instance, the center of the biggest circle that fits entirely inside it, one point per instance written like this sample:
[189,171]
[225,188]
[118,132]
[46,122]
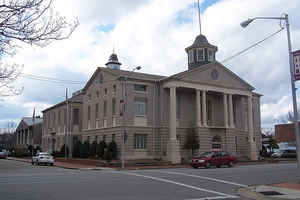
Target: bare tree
[32,22]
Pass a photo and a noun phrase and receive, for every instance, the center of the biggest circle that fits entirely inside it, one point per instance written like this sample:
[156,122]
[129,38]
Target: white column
[198,108]
[172,114]
[231,111]
[225,110]
[173,147]
[250,119]
[204,112]
[252,145]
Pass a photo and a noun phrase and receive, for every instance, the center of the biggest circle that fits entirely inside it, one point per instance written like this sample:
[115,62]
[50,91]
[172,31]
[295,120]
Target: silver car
[42,158]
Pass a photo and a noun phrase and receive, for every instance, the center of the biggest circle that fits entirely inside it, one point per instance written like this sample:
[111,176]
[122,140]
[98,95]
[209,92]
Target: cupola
[200,52]
[113,62]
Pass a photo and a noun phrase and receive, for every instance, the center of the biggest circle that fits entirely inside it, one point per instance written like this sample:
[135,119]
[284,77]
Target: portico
[215,108]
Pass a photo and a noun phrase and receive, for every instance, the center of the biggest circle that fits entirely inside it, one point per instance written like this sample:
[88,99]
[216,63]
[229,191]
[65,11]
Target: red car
[213,158]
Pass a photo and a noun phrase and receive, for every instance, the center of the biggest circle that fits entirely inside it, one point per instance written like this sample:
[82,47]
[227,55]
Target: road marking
[177,183]
[213,198]
[204,177]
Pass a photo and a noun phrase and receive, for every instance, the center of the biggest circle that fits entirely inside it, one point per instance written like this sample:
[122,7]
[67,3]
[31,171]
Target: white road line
[177,183]
[204,177]
[213,198]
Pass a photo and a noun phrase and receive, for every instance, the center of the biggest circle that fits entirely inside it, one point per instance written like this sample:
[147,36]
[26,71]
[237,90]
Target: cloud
[154,35]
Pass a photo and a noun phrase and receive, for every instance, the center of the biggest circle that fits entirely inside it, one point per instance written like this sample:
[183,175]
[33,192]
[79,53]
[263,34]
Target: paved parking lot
[22,181]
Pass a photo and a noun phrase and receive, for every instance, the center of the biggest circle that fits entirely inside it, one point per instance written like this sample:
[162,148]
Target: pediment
[22,125]
[100,76]
[214,74]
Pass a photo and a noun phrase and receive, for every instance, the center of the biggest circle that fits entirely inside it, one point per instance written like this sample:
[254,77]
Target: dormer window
[191,56]
[200,55]
[210,55]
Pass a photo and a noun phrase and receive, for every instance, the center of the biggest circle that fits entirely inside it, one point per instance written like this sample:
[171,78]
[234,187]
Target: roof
[129,74]
[204,67]
[77,98]
[113,59]
[201,41]
[29,120]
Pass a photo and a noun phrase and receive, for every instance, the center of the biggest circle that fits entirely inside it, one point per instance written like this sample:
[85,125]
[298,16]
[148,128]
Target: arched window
[216,142]
[101,78]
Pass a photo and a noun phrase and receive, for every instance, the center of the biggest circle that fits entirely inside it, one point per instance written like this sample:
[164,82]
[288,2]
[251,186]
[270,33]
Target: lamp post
[123,79]
[286,19]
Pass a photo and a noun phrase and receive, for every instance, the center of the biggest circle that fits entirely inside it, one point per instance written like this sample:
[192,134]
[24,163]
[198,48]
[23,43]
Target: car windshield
[44,154]
[206,154]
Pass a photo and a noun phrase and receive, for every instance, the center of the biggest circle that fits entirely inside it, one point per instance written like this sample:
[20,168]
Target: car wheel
[207,165]
[230,164]
[195,167]
[51,164]
[218,166]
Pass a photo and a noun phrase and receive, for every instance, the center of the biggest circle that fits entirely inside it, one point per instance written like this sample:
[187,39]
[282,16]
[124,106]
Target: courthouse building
[221,107]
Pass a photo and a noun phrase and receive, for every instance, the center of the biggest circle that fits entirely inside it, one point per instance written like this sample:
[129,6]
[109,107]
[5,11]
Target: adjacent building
[29,132]
[62,123]
[285,133]
[157,112]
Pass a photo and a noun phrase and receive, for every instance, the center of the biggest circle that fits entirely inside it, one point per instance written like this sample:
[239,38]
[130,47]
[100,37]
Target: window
[200,54]
[209,110]
[59,122]
[89,113]
[113,106]
[178,106]
[140,88]
[140,106]
[76,116]
[113,137]
[216,142]
[115,88]
[104,108]
[210,55]
[101,78]
[104,137]
[89,97]
[97,111]
[191,56]
[96,138]
[140,141]
[98,94]
[105,91]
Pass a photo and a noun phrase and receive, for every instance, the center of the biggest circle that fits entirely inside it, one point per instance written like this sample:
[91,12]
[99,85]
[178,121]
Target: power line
[49,79]
[250,47]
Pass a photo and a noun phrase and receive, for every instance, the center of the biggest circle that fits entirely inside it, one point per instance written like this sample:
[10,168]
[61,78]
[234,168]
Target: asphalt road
[22,181]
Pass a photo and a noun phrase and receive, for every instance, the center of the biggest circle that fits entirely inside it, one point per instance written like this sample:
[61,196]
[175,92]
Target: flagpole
[199,17]
[33,121]
[67,120]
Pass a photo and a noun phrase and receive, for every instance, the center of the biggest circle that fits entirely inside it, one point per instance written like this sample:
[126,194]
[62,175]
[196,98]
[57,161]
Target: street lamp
[124,101]
[286,19]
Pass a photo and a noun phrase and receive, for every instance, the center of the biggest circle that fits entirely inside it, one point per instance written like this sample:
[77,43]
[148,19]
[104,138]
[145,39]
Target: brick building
[285,133]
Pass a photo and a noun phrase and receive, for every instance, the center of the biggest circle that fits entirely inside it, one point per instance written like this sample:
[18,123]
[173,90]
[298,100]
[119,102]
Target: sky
[154,34]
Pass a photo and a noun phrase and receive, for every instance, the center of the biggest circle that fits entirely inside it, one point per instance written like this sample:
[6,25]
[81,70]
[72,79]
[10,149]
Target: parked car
[287,153]
[213,158]
[43,158]
[3,154]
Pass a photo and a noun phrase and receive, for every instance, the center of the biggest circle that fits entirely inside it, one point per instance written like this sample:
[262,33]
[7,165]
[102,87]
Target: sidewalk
[65,164]
[282,191]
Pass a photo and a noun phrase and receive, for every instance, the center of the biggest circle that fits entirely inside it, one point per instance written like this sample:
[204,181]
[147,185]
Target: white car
[42,158]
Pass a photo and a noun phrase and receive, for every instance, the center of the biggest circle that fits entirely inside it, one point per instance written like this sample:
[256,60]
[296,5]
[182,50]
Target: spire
[113,62]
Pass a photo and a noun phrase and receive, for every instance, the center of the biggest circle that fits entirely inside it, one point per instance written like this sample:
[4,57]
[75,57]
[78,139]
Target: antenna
[199,16]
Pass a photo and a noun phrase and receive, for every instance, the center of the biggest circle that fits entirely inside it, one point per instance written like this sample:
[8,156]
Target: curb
[250,192]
